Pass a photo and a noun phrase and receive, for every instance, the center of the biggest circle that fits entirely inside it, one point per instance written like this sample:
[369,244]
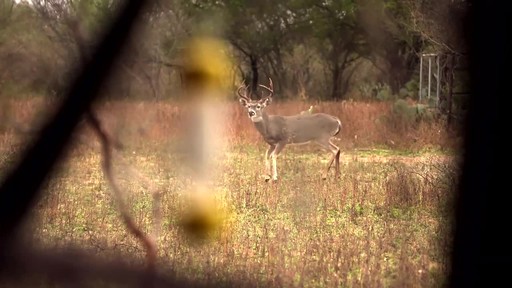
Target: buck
[279,131]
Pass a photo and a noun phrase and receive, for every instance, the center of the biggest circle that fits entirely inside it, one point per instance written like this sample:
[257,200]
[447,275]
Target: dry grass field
[385,222]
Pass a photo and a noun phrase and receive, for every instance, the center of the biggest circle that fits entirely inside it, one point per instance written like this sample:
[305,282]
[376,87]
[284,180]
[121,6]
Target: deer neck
[262,126]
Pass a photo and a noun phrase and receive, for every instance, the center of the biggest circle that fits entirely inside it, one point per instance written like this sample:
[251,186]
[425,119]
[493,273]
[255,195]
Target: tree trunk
[254,73]
[394,74]
[336,73]
[346,82]
[450,91]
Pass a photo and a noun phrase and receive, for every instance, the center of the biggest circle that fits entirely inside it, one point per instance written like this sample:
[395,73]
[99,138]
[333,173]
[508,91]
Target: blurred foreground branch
[17,195]
[75,269]
[107,145]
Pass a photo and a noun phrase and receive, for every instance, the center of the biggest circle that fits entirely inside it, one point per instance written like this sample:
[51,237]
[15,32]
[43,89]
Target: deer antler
[270,88]
[243,86]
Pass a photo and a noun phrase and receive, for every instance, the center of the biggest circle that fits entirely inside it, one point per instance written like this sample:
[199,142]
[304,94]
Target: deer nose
[251,113]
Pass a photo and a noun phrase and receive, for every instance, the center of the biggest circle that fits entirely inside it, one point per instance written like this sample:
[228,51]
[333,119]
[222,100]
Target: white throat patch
[256,118]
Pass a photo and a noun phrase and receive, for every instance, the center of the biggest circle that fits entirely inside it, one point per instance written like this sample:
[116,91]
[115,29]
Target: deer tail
[339,127]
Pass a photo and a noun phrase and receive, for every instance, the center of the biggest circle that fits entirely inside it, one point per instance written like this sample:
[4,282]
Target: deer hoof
[324,177]
[267,178]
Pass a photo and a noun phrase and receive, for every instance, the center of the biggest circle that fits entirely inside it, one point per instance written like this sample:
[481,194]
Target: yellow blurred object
[207,76]
[207,65]
[206,219]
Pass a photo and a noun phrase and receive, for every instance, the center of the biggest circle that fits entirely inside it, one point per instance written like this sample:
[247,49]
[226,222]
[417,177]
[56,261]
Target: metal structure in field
[430,57]
[447,71]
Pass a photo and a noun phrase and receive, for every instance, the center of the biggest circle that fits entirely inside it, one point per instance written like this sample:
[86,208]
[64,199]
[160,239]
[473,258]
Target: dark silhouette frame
[471,258]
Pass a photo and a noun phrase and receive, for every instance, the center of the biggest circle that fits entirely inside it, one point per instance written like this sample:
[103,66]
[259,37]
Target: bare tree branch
[75,268]
[166,64]
[106,144]
[17,195]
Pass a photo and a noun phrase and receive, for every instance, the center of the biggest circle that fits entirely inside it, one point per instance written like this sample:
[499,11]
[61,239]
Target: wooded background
[313,50]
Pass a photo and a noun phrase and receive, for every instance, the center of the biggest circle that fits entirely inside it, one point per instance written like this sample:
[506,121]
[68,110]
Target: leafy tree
[72,25]
[392,46]
[439,23]
[258,30]
[397,31]
[6,7]
[337,39]
[308,47]
[26,55]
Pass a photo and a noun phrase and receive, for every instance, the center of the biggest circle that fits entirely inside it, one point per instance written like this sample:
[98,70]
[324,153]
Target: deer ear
[243,102]
[267,101]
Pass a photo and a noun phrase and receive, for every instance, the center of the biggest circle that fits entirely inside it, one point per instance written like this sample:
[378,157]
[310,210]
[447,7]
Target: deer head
[255,107]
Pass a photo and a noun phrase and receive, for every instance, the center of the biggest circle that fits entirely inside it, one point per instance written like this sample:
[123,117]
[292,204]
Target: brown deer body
[279,131]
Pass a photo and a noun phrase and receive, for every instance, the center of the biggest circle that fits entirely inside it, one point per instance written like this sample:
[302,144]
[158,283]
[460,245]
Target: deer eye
[258,106]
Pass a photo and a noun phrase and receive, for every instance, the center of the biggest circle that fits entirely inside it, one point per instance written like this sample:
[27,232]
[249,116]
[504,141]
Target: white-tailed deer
[278,131]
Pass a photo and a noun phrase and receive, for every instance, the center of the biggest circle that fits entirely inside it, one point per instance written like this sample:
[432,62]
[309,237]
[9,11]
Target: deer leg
[324,176]
[268,154]
[275,153]
[330,162]
[327,145]
[336,150]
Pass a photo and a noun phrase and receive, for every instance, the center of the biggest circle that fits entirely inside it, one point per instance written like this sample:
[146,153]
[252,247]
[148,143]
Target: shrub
[384,92]
[403,188]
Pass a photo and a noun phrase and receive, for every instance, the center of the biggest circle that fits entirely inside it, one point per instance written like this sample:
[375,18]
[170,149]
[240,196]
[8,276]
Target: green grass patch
[381,224]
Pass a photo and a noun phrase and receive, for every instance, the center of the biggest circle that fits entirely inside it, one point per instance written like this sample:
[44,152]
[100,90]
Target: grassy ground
[384,223]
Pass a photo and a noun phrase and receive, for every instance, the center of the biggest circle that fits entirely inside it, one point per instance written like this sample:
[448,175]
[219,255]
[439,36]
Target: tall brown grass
[365,124]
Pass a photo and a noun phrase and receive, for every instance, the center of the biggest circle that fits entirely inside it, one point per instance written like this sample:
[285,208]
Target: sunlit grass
[384,223]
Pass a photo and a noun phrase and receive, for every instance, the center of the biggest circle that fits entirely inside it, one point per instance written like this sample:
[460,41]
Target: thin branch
[166,64]
[131,73]
[73,267]
[17,195]
[240,48]
[445,46]
[150,81]
[106,144]
[155,193]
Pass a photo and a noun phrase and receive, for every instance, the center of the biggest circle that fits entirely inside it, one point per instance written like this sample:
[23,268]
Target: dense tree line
[329,49]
